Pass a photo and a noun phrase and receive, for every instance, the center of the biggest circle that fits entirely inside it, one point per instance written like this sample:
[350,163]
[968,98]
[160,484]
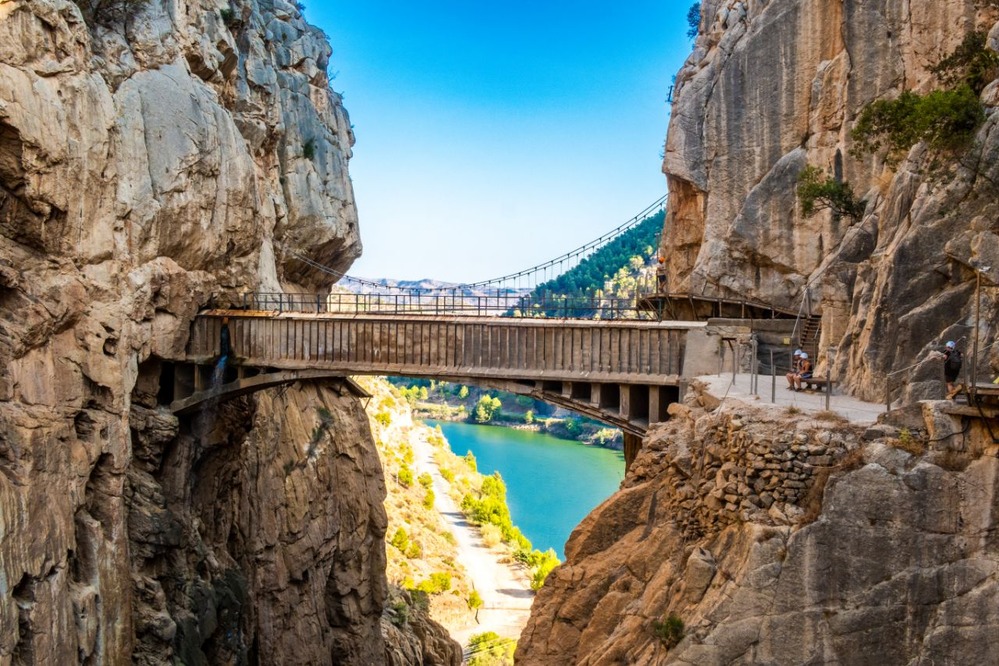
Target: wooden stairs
[808,341]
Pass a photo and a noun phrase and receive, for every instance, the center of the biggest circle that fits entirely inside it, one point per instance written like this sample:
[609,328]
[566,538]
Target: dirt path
[504,586]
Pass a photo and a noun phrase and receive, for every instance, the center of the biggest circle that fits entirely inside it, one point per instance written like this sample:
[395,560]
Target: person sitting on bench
[795,366]
[804,371]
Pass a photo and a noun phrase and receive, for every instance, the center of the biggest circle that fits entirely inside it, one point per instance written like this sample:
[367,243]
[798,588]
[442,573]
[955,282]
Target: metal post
[735,358]
[773,378]
[828,387]
[972,385]
[887,394]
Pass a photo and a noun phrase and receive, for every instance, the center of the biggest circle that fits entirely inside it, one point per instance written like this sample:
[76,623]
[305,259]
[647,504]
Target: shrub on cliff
[405,476]
[543,564]
[972,63]
[438,583]
[670,630]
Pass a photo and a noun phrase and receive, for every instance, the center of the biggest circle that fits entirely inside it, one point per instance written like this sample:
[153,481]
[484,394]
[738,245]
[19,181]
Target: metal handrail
[497,304]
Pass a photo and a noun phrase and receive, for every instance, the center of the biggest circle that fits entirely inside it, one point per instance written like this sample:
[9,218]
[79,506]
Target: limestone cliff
[783,539]
[154,156]
[773,85]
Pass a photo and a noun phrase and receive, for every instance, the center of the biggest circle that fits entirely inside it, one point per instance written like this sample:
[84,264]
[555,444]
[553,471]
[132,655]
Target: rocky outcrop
[783,539]
[150,162]
[774,86]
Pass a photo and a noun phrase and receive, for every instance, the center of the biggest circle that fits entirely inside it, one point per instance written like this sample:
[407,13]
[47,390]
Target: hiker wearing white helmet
[795,368]
[804,371]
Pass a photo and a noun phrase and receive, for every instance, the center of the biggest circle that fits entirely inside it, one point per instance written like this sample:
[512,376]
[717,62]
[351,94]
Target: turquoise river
[551,483]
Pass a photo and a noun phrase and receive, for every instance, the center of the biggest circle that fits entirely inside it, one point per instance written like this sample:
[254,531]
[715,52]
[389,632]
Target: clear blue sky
[495,135]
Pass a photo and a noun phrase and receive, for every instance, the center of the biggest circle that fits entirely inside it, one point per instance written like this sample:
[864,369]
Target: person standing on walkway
[952,367]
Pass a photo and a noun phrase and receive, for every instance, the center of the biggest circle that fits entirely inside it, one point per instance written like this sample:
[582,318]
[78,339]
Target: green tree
[488,649]
[486,408]
[817,191]
[693,20]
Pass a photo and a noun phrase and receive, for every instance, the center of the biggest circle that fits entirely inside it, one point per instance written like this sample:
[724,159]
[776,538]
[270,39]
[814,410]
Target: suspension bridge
[614,355]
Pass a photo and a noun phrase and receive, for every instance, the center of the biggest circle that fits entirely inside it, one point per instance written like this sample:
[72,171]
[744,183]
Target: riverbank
[503,585]
[444,401]
[435,557]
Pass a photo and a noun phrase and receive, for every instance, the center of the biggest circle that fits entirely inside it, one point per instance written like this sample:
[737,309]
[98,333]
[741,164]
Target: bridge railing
[500,303]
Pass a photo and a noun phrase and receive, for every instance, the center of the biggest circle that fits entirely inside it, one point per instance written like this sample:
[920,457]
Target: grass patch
[831,416]
[812,504]
[907,442]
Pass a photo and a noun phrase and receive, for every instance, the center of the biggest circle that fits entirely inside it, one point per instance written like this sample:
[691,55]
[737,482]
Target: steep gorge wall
[775,85]
[783,539]
[186,153]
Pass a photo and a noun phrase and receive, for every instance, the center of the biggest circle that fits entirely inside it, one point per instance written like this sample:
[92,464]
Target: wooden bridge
[622,372]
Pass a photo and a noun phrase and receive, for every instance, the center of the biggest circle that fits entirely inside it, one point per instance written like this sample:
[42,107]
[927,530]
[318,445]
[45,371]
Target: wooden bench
[817,383]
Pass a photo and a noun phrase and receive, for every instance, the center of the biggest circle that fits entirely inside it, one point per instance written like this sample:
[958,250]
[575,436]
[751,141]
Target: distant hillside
[592,272]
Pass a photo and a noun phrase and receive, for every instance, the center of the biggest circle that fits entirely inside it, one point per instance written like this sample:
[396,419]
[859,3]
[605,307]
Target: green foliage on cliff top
[591,273]
[945,119]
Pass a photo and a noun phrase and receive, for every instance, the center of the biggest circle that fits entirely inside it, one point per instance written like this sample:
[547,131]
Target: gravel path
[504,586]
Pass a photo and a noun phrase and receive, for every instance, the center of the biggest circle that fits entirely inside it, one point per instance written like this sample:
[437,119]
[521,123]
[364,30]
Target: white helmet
[804,355]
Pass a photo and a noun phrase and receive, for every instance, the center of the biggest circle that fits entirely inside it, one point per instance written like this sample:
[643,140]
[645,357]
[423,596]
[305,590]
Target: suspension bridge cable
[543,268]
[586,248]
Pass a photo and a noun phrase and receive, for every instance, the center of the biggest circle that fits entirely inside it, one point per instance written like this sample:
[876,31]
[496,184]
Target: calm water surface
[551,483]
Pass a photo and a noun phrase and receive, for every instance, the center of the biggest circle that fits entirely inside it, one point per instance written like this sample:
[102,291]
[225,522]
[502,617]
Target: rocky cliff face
[150,162]
[782,539]
[773,86]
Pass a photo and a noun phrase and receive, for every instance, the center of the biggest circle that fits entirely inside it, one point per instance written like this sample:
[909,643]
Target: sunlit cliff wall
[149,163]
[773,86]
